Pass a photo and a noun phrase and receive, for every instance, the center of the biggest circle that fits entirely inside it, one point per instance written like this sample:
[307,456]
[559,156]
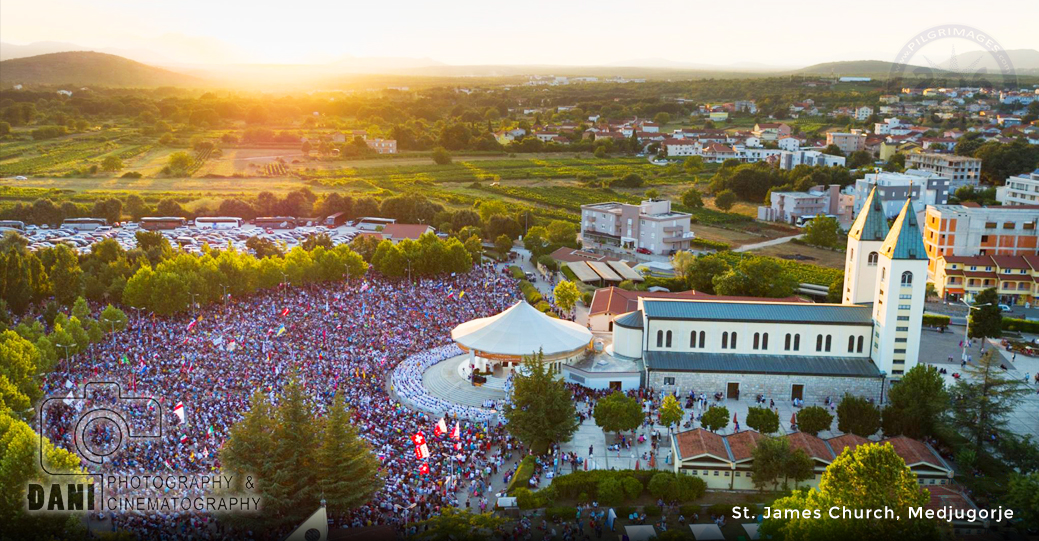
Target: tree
[836,290]
[770,457]
[179,163]
[693,165]
[763,420]
[454,524]
[249,439]
[652,194]
[700,273]
[986,321]
[814,419]
[111,164]
[756,277]
[441,156]
[822,231]
[715,418]
[692,198]
[1023,497]
[725,200]
[917,405]
[833,150]
[617,412]
[346,468]
[871,476]
[561,232]
[662,118]
[503,245]
[670,411]
[542,408]
[113,319]
[983,398]
[566,295]
[288,483]
[858,416]
[64,273]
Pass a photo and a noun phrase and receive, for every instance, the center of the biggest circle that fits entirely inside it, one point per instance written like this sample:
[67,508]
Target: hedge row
[935,320]
[569,273]
[517,272]
[530,293]
[523,474]
[711,244]
[1020,325]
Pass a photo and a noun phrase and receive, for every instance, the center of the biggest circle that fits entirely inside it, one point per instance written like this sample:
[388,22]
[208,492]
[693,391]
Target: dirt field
[816,256]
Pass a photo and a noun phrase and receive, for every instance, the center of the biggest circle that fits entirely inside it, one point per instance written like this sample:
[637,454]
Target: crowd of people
[344,338]
[407,386]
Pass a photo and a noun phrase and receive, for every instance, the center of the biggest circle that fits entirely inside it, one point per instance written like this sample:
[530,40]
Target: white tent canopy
[522,330]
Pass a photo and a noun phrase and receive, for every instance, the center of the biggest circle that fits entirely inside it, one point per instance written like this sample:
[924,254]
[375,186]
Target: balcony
[673,229]
[684,237]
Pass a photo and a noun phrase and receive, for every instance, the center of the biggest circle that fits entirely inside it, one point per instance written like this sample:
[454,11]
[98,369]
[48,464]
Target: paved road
[773,242]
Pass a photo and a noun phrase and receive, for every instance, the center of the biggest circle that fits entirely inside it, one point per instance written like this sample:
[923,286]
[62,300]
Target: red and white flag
[456,434]
[424,469]
[422,451]
[178,410]
[441,428]
[418,439]
[285,312]
[183,438]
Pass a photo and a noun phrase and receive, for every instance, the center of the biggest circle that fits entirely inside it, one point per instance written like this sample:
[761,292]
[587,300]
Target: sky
[471,32]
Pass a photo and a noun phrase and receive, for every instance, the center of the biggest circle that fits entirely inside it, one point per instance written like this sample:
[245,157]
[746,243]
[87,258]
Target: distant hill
[89,69]
[1025,61]
[853,68]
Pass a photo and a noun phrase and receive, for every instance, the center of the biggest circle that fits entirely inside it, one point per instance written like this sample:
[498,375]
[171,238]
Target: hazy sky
[572,32]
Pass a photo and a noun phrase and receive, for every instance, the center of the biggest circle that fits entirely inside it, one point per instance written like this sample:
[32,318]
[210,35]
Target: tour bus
[374,224]
[275,222]
[12,225]
[83,224]
[154,223]
[185,241]
[336,219]
[807,219]
[218,222]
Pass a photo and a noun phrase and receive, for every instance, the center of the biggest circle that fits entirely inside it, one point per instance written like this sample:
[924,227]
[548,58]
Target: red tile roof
[699,442]
[815,447]
[742,444]
[406,231]
[840,443]
[914,451]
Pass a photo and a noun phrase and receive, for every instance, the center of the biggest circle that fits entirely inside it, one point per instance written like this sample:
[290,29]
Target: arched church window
[907,278]
[872,259]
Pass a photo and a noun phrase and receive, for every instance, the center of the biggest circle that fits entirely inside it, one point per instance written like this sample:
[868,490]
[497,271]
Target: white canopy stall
[500,342]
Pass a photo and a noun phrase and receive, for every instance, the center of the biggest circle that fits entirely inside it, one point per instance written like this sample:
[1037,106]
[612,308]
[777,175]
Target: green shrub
[570,274]
[523,474]
[548,262]
[651,511]
[710,244]
[720,509]
[690,488]
[690,510]
[586,298]
[517,272]
[662,485]
[632,487]
[611,491]
[543,306]
[525,498]
[562,513]
[583,497]
[936,320]
[1020,325]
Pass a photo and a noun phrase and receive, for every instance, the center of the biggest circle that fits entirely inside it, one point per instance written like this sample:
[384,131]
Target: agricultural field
[806,254]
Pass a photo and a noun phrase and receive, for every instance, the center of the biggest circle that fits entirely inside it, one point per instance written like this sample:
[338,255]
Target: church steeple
[870,224]
[906,240]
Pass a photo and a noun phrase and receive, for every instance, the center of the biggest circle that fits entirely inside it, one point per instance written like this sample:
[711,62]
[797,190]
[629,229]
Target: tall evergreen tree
[542,409]
[347,471]
[983,398]
[290,490]
[249,442]
[987,320]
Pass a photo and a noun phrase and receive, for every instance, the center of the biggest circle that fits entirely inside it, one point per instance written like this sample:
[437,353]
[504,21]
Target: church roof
[747,363]
[870,224]
[760,312]
[906,240]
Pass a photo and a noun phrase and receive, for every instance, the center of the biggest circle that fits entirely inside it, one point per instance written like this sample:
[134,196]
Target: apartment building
[893,189]
[383,146]
[791,159]
[847,142]
[960,170]
[971,230]
[650,227]
[789,206]
[1020,190]
[1015,277]
[771,131]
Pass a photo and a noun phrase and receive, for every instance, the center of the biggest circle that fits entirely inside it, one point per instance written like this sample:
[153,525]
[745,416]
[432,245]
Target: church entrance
[733,391]
[797,391]
[615,385]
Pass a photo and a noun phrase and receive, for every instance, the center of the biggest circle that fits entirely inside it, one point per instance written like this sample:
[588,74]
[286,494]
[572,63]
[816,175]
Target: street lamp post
[193,295]
[966,327]
[68,364]
[225,292]
[111,322]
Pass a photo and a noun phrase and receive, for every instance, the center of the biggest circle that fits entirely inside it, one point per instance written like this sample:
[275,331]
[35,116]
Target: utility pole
[68,364]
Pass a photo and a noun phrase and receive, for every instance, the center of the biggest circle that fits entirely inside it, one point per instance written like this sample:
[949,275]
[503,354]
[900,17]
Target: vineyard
[200,159]
[275,169]
[55,159]
[804,272]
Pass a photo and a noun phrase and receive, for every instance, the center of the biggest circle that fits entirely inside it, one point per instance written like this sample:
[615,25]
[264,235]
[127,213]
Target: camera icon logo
[97,425]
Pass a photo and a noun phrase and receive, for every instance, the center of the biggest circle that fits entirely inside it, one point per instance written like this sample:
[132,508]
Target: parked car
[1004,308]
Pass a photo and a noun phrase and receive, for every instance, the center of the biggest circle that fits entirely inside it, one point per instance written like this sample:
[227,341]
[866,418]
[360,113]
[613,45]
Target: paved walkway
[773,242]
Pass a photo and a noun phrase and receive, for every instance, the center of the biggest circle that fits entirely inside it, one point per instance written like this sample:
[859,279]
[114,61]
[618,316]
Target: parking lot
[190,238]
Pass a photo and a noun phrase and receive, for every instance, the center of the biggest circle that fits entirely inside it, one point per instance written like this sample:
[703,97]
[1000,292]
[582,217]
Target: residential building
[791,159]
[960,170]
[863,113]
[771,131]
[970,230]
[789,143]
[682,147]
[1020,190]
[789,206]
[920,187]
[650,227]
[847,142]
[383,146]
[397,232]
[1015,277]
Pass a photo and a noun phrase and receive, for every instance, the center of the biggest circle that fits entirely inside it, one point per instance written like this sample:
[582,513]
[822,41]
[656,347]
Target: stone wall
[773,386]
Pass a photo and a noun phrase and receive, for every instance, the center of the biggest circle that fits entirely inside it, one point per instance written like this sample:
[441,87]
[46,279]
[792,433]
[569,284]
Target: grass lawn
[807,254]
